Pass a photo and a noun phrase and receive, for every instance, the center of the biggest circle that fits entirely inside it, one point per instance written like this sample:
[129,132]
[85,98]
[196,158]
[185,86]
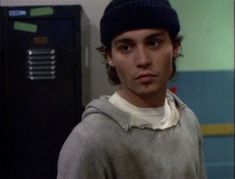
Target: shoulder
[185,111]
[92,132]
[187,115]
[189,118]
[82,145]
[82,153]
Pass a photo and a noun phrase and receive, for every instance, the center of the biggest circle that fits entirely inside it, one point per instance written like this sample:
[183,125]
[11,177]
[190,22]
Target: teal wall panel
[209,93]
[219,157]
[211,96]
[206,74]
[208,30]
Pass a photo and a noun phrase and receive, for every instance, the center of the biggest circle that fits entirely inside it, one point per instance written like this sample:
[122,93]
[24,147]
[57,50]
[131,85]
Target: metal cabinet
[43,88]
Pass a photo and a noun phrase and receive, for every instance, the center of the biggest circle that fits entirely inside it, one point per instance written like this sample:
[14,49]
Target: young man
[142,131]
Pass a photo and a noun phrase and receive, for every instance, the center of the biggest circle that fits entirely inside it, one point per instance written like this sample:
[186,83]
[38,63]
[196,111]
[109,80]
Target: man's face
[143,61]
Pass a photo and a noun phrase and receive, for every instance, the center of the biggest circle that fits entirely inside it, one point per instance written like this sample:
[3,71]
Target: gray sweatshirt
[105,146]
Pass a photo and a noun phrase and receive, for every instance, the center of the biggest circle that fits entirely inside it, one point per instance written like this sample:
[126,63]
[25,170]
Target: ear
[176,49]
[110,60]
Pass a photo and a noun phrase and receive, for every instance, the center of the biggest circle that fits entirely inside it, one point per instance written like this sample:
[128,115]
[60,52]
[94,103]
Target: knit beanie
[124,15]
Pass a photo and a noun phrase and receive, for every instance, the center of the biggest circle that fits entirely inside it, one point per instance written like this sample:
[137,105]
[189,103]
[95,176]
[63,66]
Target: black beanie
[124,15]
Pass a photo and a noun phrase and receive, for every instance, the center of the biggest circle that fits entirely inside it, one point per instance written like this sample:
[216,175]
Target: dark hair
[111,71]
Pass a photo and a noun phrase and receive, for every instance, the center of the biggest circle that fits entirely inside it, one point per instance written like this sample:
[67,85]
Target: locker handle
[41,73]
[40,51]
[41,77]
[53,67]
[41,62]
[42,57]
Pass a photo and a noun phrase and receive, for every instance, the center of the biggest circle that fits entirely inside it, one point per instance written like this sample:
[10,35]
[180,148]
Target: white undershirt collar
[153,118]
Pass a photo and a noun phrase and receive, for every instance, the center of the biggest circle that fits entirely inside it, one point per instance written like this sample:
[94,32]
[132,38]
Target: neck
[144,100]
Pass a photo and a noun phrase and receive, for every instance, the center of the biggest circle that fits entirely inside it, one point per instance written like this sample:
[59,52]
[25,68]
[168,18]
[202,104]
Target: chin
[151,89]
[148,91]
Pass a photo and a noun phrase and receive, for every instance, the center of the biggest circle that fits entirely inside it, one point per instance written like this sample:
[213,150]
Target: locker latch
[41,64]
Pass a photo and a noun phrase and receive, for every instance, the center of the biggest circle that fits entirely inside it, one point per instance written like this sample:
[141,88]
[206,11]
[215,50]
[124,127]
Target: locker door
[42,72]
[1,69]
[1,87]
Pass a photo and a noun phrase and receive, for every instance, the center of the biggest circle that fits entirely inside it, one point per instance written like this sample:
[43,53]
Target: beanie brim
[127,18]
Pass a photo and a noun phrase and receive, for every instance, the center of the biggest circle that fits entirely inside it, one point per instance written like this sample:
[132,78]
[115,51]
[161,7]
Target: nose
[143,58]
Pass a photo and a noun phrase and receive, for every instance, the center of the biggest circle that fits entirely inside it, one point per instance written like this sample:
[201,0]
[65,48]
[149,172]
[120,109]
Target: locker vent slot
[41,64]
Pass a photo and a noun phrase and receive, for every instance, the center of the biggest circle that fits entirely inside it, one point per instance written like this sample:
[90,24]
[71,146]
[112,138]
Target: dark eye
[125,48]
[154,43]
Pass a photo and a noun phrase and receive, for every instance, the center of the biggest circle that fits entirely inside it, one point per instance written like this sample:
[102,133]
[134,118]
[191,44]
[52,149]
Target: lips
[146,77]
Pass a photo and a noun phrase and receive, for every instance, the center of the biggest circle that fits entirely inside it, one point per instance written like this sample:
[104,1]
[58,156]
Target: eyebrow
[127,40]
[123,41]
[154,35]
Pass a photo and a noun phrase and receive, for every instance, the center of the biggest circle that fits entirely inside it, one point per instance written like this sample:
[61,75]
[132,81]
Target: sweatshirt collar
[103,106]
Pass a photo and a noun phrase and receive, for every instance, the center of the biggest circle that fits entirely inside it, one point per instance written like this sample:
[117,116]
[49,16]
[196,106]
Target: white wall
[94,10]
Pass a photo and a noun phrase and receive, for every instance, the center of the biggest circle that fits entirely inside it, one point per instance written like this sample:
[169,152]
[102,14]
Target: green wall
[208,30]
